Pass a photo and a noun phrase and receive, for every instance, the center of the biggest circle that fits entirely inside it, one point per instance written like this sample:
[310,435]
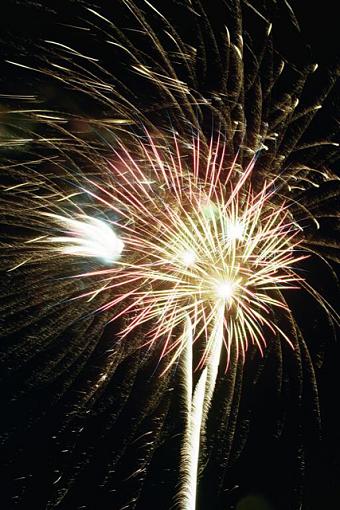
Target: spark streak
[88,237]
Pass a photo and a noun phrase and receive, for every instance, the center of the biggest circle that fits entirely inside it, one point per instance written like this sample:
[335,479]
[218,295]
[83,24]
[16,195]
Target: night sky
[69,444]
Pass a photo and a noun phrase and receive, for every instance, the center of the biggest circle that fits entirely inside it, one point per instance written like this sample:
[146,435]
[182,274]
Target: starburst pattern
[198,242]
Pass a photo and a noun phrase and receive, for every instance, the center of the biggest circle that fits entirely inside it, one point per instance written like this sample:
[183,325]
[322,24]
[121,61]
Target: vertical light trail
[197,407]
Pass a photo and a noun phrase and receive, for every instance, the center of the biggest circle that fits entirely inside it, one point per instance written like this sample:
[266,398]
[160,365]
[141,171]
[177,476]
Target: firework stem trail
[197,408]
[191,441]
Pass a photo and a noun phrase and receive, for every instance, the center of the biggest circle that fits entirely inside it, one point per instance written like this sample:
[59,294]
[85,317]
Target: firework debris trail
[193,199]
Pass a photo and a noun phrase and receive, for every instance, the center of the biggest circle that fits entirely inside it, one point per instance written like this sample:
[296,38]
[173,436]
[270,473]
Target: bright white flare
[188,257]
[88,237]
[225,289]
[235,231]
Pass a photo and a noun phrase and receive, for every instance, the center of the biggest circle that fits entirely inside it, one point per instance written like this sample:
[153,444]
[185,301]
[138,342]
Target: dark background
[39,432]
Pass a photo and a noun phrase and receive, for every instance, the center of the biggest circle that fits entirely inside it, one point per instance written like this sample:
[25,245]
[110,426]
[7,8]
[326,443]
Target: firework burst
[187,233]
[188,242]
[197,255]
